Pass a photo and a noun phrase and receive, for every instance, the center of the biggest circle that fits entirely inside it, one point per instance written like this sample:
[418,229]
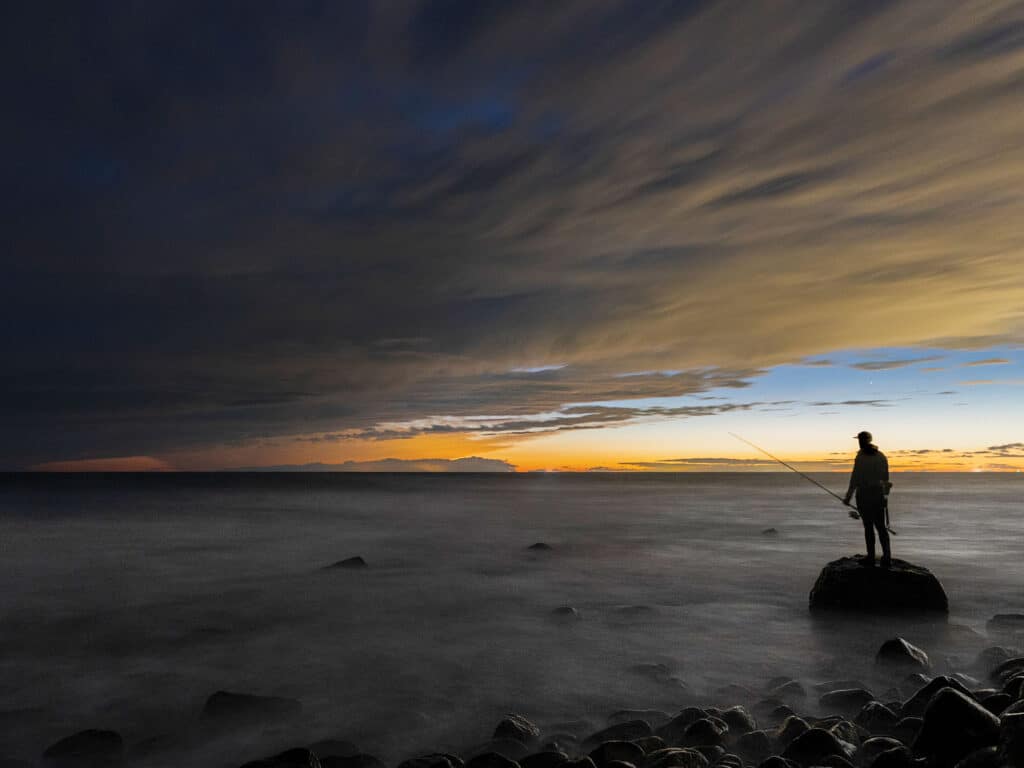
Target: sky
[481,235]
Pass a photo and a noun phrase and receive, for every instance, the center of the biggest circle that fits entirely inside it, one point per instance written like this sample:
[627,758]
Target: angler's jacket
[870,472]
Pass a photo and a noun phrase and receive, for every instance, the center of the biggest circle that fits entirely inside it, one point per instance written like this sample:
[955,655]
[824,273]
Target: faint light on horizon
[539,368]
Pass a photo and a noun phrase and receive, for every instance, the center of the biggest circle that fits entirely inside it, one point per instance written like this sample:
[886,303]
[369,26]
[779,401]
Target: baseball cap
[865,435]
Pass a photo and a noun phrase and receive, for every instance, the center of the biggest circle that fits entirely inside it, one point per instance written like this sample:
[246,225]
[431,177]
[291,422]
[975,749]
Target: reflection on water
[128,601]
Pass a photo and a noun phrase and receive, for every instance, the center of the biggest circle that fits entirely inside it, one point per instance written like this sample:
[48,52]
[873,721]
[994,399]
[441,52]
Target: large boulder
[916,704]
[812,746]
[846,585]
[954,727]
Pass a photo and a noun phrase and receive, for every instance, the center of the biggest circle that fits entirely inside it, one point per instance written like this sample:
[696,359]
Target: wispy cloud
[467,464]
[987,361]
[884,365]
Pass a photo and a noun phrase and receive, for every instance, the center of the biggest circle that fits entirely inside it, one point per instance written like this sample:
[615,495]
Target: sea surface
[127,600]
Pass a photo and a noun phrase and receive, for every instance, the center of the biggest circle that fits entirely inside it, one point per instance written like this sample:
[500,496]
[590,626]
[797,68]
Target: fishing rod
[854,513]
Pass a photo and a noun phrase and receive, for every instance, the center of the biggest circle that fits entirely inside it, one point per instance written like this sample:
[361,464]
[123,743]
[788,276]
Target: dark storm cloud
[229,222]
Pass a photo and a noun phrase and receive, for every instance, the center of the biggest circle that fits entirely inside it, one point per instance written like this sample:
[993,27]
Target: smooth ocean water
[127,600]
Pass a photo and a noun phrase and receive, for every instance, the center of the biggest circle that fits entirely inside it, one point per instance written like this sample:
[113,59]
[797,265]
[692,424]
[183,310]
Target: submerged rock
[85,749]
[335,747]
[361,760]
[293,758]
[226,709]
[790,690]
[540,546]
[897,653]
[1006,622]
[565,612]
[349,562]
[846,585]
[990,658]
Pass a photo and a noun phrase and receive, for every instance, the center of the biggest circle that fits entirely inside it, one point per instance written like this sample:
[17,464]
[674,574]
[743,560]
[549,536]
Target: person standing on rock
[870,480]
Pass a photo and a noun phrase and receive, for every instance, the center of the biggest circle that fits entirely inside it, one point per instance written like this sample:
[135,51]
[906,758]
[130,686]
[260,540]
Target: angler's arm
[854,481]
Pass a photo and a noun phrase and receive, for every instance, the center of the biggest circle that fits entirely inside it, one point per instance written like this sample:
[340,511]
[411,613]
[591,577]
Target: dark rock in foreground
[540,546]
[897,653]
[517,727]
[846,585]
[86,749]
[955,726]
[816,744]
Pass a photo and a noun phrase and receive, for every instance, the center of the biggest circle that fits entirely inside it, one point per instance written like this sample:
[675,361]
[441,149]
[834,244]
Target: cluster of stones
[940,722]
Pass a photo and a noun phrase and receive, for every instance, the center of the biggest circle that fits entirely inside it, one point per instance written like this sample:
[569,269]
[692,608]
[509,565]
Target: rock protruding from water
[847,585]
[517,727]
[897,653]
[224,709]
[349,562]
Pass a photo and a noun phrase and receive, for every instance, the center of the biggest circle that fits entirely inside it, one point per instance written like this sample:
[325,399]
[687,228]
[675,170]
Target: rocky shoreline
[904,716]
[959,720]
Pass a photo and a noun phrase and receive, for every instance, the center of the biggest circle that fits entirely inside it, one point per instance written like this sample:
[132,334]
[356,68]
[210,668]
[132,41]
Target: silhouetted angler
[870,480]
